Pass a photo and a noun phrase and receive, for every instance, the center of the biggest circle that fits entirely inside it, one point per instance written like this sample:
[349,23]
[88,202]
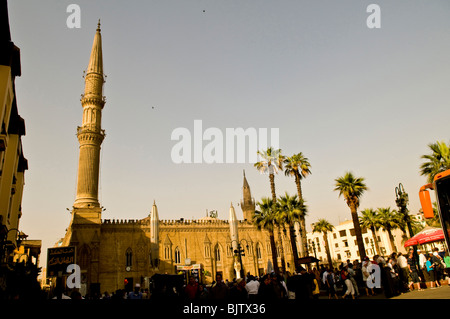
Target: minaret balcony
[92,100]
[92,134]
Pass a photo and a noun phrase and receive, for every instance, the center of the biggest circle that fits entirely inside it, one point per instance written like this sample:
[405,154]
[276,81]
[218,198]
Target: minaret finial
[244,172]
[98,25]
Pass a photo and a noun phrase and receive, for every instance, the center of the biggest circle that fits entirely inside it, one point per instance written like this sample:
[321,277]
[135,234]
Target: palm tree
[264,218]
[298,166]
[352,188]
[323,226]
[271,162]
[389,221]
[292,211]
[369,219]
[438,161]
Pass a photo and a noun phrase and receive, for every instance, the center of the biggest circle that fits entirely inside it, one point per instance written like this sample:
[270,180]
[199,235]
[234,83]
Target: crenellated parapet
[125,222]
[178,222]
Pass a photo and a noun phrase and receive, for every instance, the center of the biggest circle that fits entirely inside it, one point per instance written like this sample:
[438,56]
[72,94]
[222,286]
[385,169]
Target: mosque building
[117,254]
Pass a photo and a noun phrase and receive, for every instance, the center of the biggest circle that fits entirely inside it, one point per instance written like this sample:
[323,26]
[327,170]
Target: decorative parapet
[125,222]
[178,222]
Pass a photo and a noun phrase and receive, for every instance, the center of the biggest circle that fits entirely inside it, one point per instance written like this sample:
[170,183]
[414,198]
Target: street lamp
[239,252]
[401,199]
[5,244]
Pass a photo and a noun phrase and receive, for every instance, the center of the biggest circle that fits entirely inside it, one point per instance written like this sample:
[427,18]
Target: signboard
[190,267]
[58,259]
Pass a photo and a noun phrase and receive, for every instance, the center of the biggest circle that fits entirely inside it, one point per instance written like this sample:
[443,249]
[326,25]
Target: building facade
[18,258]
[343,246]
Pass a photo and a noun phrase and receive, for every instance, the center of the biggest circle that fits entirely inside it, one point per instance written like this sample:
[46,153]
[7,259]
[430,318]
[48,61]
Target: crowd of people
[399,273]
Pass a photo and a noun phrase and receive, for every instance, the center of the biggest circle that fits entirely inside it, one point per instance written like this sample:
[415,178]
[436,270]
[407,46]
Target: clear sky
[347,96]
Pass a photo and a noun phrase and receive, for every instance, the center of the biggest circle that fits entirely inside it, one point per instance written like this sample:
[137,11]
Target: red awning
[427,235]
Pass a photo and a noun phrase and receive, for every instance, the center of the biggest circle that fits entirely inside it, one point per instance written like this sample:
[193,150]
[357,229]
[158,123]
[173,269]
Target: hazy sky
[347,96]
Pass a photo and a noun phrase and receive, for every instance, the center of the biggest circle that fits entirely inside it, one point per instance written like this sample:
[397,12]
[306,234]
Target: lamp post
[4,243]
[401,199]
[239,252]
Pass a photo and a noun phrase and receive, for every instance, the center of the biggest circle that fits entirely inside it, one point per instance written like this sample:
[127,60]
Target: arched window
[129,257]
[229,250]
[258,251]
[217,253]
[177,256]
[167,254]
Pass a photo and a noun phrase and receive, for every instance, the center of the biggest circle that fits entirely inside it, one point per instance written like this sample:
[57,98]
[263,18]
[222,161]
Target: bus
[441,187]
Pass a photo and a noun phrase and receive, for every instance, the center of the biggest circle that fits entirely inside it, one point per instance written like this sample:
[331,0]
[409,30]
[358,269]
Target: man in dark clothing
[266,291]
[238,293]
[301,284]
[219,291]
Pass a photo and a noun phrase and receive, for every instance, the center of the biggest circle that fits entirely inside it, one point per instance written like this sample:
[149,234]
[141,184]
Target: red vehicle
[441,187]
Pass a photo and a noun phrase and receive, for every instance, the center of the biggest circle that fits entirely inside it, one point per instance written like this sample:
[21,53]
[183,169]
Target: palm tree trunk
[303,238]
[272,188]
[358,233]
[377,246]
[327,249]
[391,239]
[374,238]
[293,245]
[280,240]
[273,248]
[274,199]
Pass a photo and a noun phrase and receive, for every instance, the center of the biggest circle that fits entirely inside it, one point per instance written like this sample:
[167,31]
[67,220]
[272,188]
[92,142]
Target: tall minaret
[235,240]
[154,234]
[248,203]
[90,134]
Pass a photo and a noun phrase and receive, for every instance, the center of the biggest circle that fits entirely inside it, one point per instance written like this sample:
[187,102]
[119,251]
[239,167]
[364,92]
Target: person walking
[352,275]
[266,291]
[413,272]
[447,266]
[328,280]
[192,289]
[431,273]
[365,273]
[252,287]
[136,294]
[438,264]
[219,291]
[422,268]
[403,272]
[348,283]
[238,293]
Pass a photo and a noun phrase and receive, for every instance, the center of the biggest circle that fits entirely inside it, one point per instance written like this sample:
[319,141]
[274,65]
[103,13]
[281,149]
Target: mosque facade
[118,254]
